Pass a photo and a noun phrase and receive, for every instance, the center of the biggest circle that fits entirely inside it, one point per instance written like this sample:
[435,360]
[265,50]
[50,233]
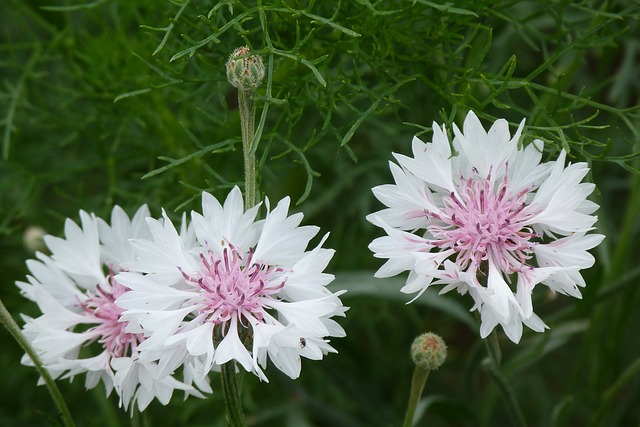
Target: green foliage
[110,102]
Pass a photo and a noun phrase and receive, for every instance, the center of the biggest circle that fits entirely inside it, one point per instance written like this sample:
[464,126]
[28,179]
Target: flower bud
[245,73]
[33,239]
[428,351]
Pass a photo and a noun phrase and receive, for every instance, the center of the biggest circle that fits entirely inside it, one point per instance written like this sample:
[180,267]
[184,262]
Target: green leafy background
[126,102]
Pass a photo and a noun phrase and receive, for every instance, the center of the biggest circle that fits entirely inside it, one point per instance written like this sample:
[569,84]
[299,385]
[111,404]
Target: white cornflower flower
[489,219]
[247,291]
[80,329]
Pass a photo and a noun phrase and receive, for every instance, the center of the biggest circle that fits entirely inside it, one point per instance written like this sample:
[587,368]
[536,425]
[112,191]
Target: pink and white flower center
[102,308]
[232,286]
[481,224]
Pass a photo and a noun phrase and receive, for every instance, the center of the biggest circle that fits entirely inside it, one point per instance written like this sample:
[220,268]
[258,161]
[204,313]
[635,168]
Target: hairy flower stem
[492,365]
[230,389]
[419,379]
[16,333]
[231,393]
[247,123]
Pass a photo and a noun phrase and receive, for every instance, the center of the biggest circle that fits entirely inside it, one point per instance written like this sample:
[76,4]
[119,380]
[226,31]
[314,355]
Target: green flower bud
[428,351]
[245,72]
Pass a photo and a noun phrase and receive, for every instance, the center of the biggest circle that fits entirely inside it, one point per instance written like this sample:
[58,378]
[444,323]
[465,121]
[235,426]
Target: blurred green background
[126,102]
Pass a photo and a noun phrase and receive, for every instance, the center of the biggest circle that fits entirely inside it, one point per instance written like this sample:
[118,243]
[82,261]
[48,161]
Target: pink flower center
[106,313]
[232,286]
[481,224]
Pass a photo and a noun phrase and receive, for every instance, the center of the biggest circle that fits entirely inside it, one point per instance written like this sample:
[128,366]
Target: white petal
[231,348]
[53,280]
[488,322]
[229,224]
[501,297]
[485,152]
[306,315]
[146,294]
[408,200]
[560,200]
[282,241]
[79,253]
[115,238]
[431,162]
[165,255]
[525,169]
[535,323]
[527,280]
[513,329]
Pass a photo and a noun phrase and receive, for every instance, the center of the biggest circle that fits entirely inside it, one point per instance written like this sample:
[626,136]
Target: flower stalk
[16,333]
[418,381]
[493,348]
[231,394]
[247,123]
[428,352]
[245,72]
[492,365]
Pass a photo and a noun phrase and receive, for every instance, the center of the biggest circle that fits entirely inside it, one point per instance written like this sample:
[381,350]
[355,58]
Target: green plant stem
[492,364]
[230,390]
[493,348]
[16,333]
[231,393]
[247,123]
[609,396]
[419,379]
[507,391]
[135,417]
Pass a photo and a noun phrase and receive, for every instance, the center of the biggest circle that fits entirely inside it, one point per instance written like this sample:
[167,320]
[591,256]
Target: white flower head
[81,329]
[482,215]
[248,290]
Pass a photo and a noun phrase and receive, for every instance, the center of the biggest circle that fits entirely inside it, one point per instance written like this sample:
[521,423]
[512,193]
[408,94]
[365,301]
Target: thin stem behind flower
[231,393]
[492,365]
[246,105]
[493,348]
[16,333]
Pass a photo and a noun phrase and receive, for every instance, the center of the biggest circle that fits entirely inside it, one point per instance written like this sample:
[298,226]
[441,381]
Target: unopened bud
[33,239]
[428,351]
[245,72]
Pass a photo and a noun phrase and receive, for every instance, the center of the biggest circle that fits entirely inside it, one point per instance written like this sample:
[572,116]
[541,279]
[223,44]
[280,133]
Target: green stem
[231,393]
[247,122]
[135,417]
[609,396]
[507,391]
[492,364]
[493,348]
[230,390]
[420,375]
[16,333]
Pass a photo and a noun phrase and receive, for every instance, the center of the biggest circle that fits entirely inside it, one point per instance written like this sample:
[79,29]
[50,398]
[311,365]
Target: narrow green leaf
[177,162]
[74,7]
[446,8]
[131,94]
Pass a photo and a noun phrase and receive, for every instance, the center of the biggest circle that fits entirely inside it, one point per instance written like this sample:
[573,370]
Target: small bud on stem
[244,71]
[428,352]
